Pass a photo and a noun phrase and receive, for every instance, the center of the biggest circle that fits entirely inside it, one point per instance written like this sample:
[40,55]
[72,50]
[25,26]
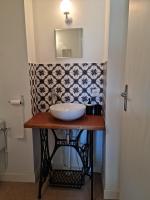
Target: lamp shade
[65,6]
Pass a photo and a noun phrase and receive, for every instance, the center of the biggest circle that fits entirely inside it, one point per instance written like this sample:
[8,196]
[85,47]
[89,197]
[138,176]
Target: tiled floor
[28,191]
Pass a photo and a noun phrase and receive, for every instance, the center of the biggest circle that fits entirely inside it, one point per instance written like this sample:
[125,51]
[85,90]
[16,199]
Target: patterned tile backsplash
[72,82]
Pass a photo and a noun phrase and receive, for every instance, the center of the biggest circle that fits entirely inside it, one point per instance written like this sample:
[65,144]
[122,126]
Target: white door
[135,155]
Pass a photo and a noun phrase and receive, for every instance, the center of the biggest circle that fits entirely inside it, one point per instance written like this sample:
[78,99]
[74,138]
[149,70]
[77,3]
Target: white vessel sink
[67,111]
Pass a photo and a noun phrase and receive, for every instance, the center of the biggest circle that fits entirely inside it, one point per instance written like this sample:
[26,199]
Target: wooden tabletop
[46,120]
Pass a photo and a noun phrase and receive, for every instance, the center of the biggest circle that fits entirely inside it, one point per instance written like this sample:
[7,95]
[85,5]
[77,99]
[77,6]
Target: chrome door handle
[125,96]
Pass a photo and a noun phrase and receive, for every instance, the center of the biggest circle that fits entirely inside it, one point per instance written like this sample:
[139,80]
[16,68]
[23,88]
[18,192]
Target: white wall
[86,14]
[114,104]
[14,81]
[28,9]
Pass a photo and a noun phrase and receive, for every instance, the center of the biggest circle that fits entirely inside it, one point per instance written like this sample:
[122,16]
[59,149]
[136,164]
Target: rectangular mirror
[68,43]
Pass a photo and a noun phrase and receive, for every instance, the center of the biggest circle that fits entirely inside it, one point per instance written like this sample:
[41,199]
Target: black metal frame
[85,153]
[91,162]
[45,159]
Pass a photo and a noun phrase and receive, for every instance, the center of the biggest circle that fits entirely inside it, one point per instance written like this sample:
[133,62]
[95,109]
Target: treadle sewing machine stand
[45,121]
[46,159]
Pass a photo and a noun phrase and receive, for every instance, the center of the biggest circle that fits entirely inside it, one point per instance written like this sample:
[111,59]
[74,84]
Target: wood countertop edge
[94,128]
[38,123]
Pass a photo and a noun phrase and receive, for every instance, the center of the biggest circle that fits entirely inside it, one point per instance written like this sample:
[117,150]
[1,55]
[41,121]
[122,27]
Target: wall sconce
[65,8]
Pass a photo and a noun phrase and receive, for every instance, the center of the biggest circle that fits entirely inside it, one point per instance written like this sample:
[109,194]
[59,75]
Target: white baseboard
[15,177]
[110,194]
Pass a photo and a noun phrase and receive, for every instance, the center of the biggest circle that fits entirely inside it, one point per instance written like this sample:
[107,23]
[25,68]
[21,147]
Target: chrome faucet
[55,96]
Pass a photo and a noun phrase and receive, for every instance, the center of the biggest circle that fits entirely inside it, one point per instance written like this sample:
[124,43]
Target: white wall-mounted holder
[17,105]
[18,101]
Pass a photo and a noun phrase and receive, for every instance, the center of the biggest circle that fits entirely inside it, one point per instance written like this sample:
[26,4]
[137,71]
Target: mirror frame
[69,29]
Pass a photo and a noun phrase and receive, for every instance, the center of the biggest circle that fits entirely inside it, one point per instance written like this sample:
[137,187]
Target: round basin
[67,111]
